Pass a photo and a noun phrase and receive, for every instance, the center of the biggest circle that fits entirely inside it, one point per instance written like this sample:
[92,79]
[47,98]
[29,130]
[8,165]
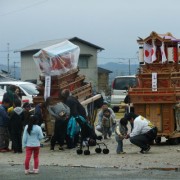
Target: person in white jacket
[143,132]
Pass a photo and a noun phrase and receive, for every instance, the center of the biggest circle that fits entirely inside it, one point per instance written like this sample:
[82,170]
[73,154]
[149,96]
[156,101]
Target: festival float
[157,94]
[58,70]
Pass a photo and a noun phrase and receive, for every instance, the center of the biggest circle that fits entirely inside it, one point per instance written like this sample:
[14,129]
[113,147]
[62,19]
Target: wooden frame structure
[160,105]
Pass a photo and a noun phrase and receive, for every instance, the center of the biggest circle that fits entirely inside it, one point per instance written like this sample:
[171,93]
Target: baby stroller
[88,135]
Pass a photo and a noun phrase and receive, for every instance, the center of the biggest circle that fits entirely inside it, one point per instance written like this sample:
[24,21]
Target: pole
[129,68]
[8,57]
[15,69]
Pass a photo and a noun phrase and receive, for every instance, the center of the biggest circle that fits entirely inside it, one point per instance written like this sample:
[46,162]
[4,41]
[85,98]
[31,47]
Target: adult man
[4,119]
[77,111]
[143,132]
[100,116]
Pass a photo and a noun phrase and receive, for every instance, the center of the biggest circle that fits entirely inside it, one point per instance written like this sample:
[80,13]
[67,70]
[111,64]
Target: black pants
[16,142]
[60,131]
[72,142]
[143,140]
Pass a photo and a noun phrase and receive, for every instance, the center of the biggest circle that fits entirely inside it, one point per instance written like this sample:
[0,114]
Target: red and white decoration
[153,52]
[170,54]
[164,59]
[148,53]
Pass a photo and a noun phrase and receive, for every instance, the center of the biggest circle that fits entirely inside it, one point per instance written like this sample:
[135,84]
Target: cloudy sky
[114,25]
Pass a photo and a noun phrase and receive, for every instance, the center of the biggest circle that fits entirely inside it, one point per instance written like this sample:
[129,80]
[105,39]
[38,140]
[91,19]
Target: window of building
[83,62]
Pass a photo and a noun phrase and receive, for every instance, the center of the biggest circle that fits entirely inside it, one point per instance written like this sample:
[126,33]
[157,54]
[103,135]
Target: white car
[119,90]
[28,90]
[1,95]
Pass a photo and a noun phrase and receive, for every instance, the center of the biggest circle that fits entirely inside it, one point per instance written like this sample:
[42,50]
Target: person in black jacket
[76,110]
[16,126]
[4,119]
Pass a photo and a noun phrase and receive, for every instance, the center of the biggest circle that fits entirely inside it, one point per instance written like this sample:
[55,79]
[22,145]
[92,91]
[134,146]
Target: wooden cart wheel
[158,140]
[173,141]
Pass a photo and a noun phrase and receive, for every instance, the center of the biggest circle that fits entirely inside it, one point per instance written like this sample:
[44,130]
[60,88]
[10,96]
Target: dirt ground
[160,156]
[163,156]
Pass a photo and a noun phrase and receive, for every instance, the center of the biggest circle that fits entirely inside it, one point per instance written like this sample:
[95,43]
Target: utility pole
[129,67]
[15,68]
[129,63]
[8,58]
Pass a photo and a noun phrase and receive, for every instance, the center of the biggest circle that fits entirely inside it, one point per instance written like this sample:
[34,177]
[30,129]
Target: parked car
[1,95]
[119,90]
[27,89]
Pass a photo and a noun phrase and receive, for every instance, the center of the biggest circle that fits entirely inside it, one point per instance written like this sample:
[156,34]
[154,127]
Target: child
[107,122]
[16,126]
[31,140]
[27,113]
[120,133]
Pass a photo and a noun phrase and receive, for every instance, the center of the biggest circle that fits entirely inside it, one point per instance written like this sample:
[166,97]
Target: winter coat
[107,122]
[59,111]
[121,131]
[100,116]
[16,120]
[32,140]
[76,109]
[4,119]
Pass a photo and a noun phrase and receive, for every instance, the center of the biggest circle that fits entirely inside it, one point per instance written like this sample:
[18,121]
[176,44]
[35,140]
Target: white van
[119,89]
[28,90]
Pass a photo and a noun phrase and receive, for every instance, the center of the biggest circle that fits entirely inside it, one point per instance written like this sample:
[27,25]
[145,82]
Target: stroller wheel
[79,151]
[106,151]
[98,150]
[86,152]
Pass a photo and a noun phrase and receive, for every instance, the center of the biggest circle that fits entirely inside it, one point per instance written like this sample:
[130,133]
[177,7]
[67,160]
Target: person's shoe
[36,171]
[61,148]
[122,152]
[26,172]
[4,150]
[141,151]
[147,149]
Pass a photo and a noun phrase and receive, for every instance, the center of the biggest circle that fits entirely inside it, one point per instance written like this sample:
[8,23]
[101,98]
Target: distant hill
[119,69]
[116,68]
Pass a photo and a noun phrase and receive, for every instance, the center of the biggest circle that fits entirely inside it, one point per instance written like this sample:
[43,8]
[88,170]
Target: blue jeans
[120,144]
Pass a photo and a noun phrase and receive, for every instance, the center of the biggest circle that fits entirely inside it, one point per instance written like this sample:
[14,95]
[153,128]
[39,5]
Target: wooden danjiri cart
[157,94]
[58,68]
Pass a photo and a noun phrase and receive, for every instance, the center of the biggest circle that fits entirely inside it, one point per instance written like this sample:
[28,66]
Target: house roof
[44,44]
[5,78]
[167,37]
[102,70]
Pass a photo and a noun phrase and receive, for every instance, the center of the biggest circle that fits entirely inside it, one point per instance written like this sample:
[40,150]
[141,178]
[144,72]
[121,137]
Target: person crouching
[143,132]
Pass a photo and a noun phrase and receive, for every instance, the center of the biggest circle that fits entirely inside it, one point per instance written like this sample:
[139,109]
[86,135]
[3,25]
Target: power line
[22,9]
[7,50]
[117,58]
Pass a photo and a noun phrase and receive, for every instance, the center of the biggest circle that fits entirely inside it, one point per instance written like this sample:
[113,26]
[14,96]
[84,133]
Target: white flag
[154,81]
[147,53]
[153,52]
[47,89]
[164,59]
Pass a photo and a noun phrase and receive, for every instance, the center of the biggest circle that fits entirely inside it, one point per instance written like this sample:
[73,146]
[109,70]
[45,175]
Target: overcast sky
[111,24]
